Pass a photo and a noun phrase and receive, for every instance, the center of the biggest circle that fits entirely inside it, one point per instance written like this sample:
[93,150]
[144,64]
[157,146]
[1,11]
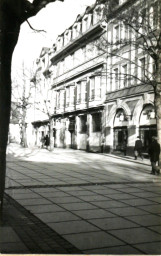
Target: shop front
[147,128]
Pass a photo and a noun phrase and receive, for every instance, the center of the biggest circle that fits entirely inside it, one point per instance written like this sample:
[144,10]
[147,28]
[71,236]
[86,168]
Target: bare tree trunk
[9,31]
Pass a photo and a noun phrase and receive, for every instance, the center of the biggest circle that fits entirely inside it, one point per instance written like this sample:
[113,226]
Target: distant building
[93,106]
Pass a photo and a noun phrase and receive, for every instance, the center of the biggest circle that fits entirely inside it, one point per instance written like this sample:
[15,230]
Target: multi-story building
[99,97]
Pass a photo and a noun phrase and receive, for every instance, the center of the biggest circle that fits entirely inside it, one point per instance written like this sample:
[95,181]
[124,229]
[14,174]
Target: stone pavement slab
[73,227]
[136,235]
[94,214]
[74,202]
[150,248]
[113,223]
[128,211]
[146,220]
[116,250]
[56,217]
[22,232]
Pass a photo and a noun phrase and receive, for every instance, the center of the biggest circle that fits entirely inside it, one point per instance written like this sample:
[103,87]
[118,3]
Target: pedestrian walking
[47,142]
[138,148]
[154,152]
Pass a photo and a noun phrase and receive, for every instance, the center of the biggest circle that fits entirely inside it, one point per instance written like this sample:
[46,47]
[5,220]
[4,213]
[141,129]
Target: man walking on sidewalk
[154,152]
[138,148]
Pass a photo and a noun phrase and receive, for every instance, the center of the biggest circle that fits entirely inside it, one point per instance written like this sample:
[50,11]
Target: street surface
[98,203]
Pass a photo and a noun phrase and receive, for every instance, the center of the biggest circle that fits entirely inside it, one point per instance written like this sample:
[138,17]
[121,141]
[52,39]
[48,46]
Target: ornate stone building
[97,101]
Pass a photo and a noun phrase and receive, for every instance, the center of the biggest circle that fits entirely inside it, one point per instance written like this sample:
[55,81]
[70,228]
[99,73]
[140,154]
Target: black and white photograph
[80,127]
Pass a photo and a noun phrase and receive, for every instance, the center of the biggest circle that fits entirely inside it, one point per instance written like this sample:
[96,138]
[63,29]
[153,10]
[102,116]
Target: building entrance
[146,134]
[120,136]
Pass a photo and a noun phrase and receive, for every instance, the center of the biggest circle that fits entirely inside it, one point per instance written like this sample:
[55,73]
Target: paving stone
[74,188]
[81,193]
[92,240]
[94,198]
[56,217]
[138,201]
[16,247]
[146,220]
[156,228]
[156,199]
[149,195]
[72,227]
[130,190]
[136,235]
[153,248]
[121,196]
[26,196]
[104,191]
[7,234]
[65,200]
[78,206]
[127,211]
[112,223]
[44,208]
[109,204]
[37,201]
[44,190]
[94,214]
[117,250]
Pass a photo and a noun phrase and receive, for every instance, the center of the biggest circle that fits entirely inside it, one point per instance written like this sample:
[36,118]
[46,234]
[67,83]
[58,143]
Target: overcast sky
[54,19]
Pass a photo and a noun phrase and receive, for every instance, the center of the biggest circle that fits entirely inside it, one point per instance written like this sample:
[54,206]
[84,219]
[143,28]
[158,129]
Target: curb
[126,159]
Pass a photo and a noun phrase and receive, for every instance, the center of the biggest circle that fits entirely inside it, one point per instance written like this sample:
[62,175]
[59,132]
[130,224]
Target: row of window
[78,93]
[128,74]
[148,21]
[95,123]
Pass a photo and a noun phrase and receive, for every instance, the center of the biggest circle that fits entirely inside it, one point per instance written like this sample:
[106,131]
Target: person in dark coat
[154,152]
[47,142]
[138,148]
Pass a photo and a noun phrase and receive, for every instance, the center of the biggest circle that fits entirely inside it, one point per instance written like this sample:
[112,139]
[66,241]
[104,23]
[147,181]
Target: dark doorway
[146,134]
[120,135]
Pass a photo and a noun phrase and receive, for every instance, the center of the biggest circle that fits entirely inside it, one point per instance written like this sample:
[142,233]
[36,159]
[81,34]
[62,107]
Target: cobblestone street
[70,201]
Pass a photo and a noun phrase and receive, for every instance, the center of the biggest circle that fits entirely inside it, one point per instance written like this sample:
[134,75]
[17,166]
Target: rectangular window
[78,92]
[92,88]
[142,68]
[72,95]
[96,122]
[83,91]
[58,99]
[67,97]
[83,124]
[125,75]
[98,87]
[153,15]
[116,78]
[116,34]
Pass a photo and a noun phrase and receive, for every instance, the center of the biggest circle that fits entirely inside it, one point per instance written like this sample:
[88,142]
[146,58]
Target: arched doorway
[120,129]
[147,125]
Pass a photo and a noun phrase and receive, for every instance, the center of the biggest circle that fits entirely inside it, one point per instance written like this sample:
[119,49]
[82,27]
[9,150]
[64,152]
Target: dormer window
[59,42]
[67,37]
[98,13]
[76,29]
[87,21]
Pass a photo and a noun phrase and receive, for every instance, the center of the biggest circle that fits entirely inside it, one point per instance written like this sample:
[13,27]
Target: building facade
[100,97]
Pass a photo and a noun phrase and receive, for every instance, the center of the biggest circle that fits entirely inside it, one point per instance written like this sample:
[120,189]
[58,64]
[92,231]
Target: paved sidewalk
[80,203]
